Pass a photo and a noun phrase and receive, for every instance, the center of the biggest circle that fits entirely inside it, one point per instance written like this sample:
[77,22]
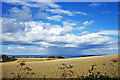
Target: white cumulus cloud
[109,32]
[56,18]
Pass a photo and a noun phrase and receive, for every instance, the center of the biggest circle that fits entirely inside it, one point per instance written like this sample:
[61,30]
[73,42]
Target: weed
[66,70]
[23,71]
[114,60]
[95,74]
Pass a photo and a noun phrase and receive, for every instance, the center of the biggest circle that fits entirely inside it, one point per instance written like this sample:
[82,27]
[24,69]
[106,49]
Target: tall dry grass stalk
[66,70]
[23,71]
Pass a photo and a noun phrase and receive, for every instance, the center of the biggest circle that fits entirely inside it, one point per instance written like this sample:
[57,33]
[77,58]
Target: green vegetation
[60,57]
[51,57]
[7,59]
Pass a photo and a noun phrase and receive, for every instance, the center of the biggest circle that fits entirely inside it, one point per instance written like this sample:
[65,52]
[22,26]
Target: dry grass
[22,71]
[34,59]
[49,69]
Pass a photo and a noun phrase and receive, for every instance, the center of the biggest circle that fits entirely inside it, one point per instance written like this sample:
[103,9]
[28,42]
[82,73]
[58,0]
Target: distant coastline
[40,56]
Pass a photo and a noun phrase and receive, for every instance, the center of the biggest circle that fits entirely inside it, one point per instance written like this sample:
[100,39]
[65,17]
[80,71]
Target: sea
[65,56]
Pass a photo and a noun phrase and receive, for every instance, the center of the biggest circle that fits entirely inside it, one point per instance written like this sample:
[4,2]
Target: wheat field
[106,64]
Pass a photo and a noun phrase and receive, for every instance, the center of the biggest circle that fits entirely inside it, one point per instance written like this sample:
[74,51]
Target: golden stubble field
[49,68]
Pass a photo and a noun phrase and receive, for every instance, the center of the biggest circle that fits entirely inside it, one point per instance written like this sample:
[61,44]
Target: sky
[59,28]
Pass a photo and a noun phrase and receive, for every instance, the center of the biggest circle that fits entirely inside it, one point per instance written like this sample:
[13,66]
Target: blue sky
[59,28]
